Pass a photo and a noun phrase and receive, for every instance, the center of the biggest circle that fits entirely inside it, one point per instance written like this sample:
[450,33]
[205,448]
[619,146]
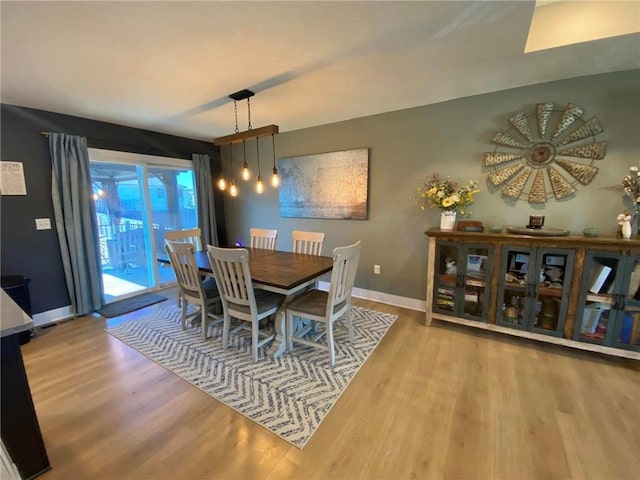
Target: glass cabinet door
[599,298]
[626,326]
[535,288]
[552,291]
[446,279]
[460,286]
[515,284]
[476,263]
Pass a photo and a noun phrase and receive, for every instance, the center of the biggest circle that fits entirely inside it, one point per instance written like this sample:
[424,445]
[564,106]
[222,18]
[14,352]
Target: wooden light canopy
[247,134]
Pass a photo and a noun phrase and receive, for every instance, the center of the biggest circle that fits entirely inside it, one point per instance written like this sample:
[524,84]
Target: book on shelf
[591,318]
[476,265]
[634,283]
[599,277]
[445,303]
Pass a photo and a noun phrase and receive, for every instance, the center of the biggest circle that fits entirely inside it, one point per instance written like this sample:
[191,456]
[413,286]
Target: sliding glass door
[138,198]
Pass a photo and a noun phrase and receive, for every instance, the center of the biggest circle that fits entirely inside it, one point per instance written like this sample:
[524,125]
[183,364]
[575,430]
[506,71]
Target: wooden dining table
[285,273]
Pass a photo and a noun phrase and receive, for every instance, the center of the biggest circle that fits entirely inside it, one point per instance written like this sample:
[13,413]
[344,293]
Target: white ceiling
[170,66]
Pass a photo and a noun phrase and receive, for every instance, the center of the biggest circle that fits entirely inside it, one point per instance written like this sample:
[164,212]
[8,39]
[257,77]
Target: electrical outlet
[376,269]
[43,224]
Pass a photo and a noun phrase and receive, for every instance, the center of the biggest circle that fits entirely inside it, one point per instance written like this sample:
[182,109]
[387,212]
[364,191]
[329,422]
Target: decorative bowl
[495,228]
[591,232]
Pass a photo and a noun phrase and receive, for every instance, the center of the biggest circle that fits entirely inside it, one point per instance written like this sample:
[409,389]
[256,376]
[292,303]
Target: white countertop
[12,317]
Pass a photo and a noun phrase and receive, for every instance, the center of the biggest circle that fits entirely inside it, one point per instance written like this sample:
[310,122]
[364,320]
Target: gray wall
[449,138]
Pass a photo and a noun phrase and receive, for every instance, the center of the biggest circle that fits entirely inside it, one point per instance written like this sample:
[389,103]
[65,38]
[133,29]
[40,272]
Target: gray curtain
[206,208]
[76,222]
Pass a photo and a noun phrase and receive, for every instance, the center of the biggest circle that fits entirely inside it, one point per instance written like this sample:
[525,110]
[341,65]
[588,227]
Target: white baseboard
[386,298]
[63,313]
[52,316]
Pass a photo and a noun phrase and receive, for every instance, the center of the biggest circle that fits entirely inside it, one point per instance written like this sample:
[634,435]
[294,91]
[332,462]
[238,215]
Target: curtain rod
[130,147]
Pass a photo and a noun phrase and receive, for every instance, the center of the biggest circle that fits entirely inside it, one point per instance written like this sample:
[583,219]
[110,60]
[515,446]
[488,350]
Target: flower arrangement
[446,194]
[631,184]
[631,188]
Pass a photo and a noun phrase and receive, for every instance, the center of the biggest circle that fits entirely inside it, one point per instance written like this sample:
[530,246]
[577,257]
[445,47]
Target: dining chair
[263,238]
[191,286]
[239,299]
[192,235]
[307,242]
[326,307]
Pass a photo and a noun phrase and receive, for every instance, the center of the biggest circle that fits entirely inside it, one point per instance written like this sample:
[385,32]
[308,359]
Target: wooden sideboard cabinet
[569,290]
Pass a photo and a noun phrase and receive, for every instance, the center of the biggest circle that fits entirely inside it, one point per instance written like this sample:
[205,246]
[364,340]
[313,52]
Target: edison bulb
[259,185]
[233,190]
[246,175]
[222,183]
[275,179]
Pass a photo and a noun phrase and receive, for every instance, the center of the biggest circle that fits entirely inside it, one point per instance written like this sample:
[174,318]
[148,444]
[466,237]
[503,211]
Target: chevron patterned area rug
[290,396]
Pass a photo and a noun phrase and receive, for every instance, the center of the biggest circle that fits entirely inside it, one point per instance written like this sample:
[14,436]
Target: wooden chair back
[231,269]
[193,235]
[183,261]
[307,242]
[343,276]
[263,238]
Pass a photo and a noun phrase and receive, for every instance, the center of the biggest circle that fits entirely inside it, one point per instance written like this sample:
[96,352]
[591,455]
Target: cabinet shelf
[515,286]
[593,297]
[550,292]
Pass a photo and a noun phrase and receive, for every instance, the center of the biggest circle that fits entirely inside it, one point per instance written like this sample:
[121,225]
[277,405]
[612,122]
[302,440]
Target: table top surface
[13,318]
[284,270]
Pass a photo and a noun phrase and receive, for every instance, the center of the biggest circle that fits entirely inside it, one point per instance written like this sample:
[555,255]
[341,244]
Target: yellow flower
[444,193]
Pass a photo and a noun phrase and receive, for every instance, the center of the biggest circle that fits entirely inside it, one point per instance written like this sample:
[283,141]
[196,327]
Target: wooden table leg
[279,344]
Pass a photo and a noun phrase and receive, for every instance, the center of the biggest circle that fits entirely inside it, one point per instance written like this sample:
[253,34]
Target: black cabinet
[18,422]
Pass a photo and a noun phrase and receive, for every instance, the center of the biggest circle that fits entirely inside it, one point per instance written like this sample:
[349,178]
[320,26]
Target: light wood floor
[431,402]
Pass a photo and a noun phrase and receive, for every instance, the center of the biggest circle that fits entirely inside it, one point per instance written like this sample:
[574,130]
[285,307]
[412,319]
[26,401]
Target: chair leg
[350,325]
[184,314]
[179,298]
[331,344]
[254,340]
[203,316]
[225,330]
[288,335]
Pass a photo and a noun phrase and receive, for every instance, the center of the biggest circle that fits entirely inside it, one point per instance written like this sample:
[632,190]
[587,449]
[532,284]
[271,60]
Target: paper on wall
[12,179]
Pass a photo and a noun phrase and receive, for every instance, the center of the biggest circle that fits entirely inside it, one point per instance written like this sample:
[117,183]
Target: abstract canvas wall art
[325,185]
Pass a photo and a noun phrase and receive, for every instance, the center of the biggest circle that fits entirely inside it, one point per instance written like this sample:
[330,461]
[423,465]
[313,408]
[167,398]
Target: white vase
[447,219]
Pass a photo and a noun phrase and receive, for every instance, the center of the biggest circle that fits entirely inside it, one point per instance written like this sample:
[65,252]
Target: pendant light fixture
[238,137]
[275,179]
[259,184]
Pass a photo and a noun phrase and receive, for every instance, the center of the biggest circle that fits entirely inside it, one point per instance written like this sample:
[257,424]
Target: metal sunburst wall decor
[535,144]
